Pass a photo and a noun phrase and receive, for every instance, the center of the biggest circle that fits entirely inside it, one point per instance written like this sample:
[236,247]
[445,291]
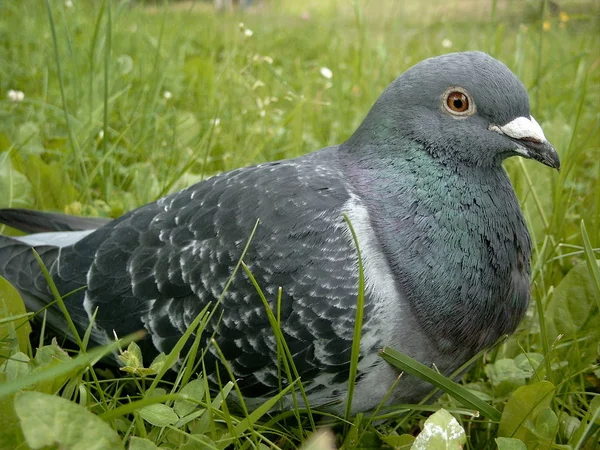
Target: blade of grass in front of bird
[225,363]
[591,261]
[226,416]
[59,300]
[539,303]
[287,359]
[415,368]
[196,326]
[358,322]
[249,420]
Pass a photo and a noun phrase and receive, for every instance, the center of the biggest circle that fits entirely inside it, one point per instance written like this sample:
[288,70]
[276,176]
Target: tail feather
[30,221]
[20,267]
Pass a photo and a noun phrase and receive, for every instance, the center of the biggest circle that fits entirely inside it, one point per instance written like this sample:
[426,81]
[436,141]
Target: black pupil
[458,103]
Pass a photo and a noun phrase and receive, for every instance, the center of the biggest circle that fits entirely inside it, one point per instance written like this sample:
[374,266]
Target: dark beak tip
[543,152]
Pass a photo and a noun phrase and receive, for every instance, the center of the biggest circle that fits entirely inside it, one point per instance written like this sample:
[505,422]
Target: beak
[531,143]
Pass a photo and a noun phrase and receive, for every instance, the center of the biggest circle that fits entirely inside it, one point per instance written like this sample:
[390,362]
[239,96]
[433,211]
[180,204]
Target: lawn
[106,106]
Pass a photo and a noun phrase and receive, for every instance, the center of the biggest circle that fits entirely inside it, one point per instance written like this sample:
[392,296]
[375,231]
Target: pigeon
[444,245]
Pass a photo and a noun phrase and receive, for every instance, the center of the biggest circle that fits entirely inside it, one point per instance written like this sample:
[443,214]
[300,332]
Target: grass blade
[358,323]
[415,368]
[590,259]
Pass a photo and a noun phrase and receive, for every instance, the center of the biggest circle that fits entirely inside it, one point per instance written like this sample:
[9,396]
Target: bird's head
[463,107]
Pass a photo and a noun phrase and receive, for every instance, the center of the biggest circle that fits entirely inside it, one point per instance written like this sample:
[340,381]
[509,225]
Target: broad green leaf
[572,312]
[159,415]
[567,425]
[51,185]
[529,362]
[124,65]
[49,420]
[441,431]
[138,443]
[399,442]
[19,366]
[546,424]
[50,356]
[132,358]
[15,367]
[508,374]
[504,443]
[523,408]
[10,431]
[14,334]
[29,139]
[16,190]
[188,127]
[55,370]
[158,363]
[195,390]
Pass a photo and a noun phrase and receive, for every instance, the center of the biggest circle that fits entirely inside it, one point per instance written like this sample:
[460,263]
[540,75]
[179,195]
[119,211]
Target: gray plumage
[446,249]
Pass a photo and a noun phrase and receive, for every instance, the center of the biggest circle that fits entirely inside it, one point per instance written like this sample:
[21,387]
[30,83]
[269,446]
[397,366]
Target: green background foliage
[124,102]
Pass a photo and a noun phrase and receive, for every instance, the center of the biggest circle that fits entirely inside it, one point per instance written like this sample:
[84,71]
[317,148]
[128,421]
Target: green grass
[98,134]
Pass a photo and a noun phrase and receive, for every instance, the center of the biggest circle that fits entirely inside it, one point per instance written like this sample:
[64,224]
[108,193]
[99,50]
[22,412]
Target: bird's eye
[458,102]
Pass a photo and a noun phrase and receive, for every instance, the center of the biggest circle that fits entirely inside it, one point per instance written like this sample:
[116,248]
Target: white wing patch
[55,239]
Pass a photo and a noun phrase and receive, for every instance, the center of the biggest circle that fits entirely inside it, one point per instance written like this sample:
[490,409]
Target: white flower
[167,95]
[68,4]
[248,32]
[446,43]
[216,121]
[257,84]
[15,96]
[101,134]
[268,59]
[326,73]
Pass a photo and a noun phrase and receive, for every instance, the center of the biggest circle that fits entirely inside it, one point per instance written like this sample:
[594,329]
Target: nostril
[530,139]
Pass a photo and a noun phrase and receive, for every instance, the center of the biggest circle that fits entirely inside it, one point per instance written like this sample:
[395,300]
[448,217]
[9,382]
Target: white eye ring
[458,102]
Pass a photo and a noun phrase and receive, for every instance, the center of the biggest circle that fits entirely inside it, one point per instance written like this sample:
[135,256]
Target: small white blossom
[167,95]
[68,4]
[326,73]
[216,121]
[101,134]
[248,32]
[257,84]
[15,96]
[446,43]
[268,59]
